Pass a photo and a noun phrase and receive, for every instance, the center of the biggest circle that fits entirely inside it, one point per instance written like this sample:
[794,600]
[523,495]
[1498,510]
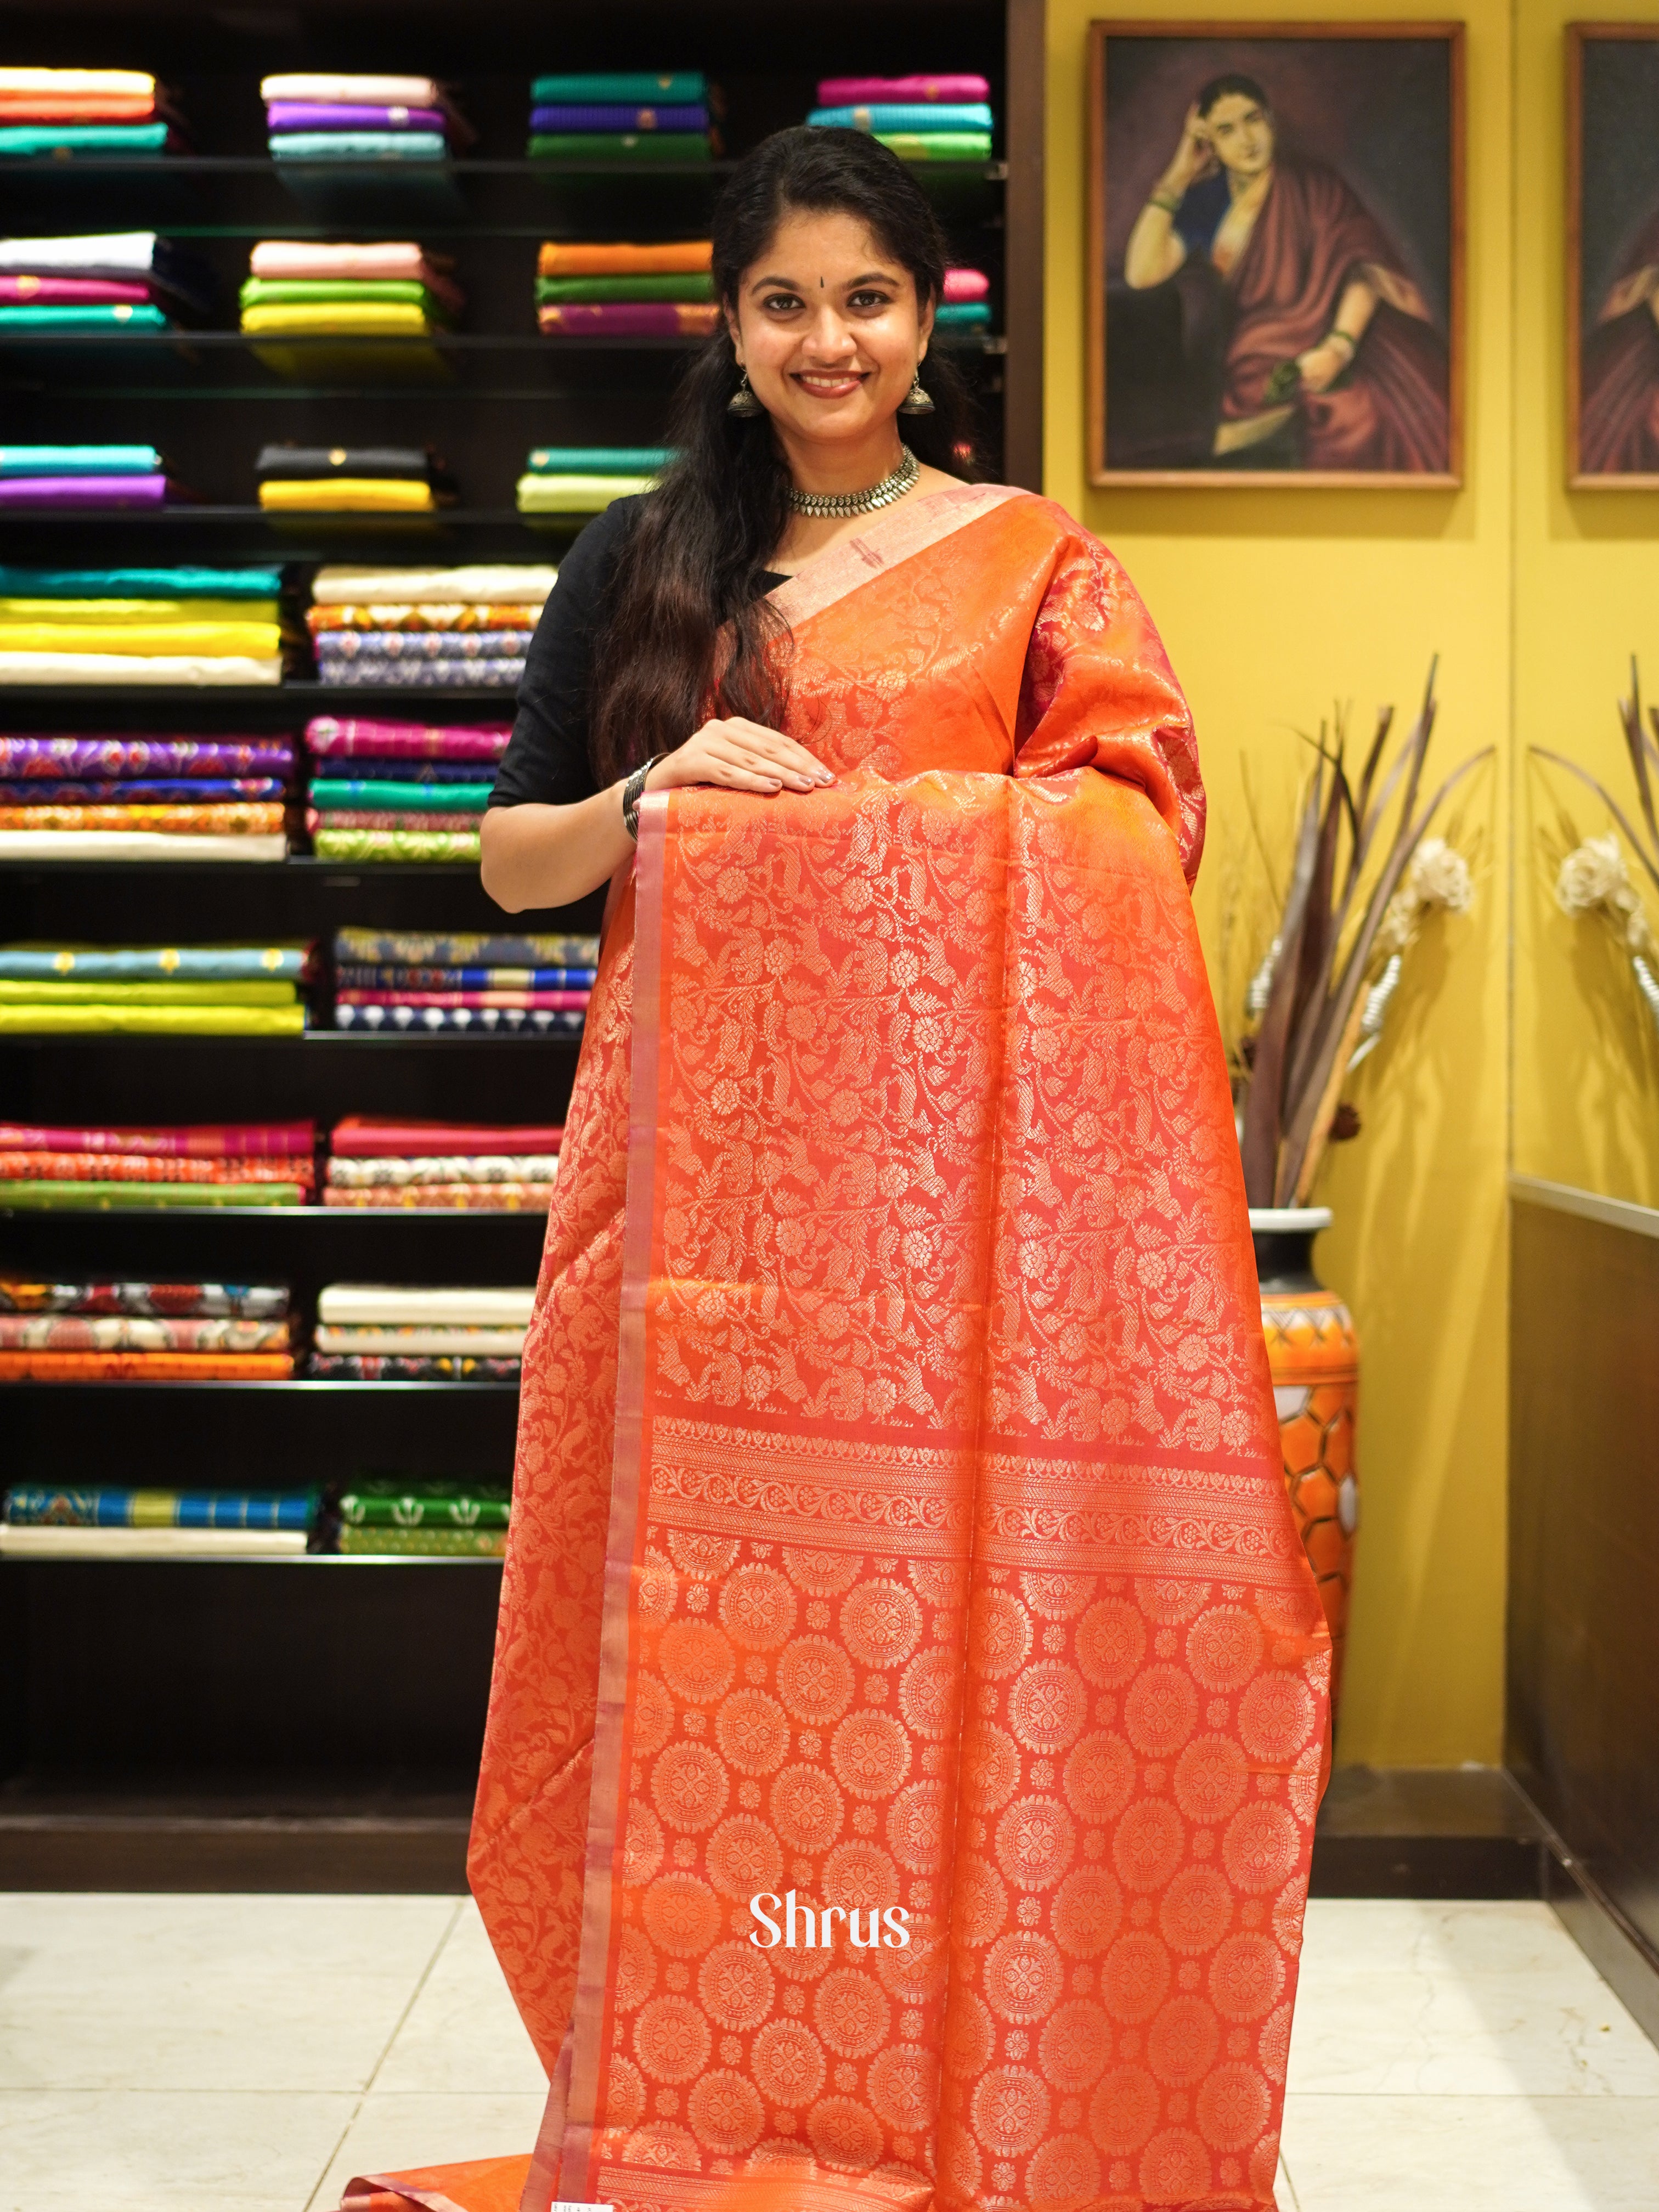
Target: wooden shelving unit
[309,1721]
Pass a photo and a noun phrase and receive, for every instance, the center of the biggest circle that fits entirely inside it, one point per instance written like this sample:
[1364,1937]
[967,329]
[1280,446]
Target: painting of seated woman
[1274,262]
[1614,234]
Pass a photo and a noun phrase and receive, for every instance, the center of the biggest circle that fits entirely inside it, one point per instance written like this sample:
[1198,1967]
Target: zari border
[604,1839]
[897,535]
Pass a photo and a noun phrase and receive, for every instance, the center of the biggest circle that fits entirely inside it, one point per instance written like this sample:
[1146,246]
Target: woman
[1332,360]
[906,1659]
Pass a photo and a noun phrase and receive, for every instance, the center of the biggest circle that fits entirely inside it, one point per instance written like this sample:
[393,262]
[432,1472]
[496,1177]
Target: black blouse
[547,757]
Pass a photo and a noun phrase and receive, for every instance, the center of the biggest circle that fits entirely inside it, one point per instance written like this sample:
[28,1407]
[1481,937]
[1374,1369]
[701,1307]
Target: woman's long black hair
[686,586]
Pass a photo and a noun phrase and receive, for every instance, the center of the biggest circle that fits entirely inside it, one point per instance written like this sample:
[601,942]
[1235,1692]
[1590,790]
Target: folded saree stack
[431,1518]
[144,1331]
[123,280]
[352,480]
[593,290]
[144,797]
[399,791]
[922,118]
[41,1521]
[429,630]
[449,1166]
[216,1164]
[585,479]
[388,290]
[966,304]
[54,479]
[410,984]
[634,118]
[181,625]
[73,114]
[316,116]
[400,1333]
[159,990]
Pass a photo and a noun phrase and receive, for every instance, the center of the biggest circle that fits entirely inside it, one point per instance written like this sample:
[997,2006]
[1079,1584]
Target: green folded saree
[396,845]
[427,1543]
[117,1018]
[644,147]
[107,1197]
[294,291]
[937,145]
[163,993]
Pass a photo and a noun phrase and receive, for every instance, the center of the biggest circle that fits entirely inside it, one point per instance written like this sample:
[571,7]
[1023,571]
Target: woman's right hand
[738,755]
[1193,156]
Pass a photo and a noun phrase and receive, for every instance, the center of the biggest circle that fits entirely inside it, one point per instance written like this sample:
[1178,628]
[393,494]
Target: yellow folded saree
[347,494]
[252,641]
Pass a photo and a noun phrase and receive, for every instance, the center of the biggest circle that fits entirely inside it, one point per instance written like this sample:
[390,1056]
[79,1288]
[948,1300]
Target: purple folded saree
[307,115]
[423,644]
[82,491]
[627,319]
[98,758]
[171,792]
[607,118]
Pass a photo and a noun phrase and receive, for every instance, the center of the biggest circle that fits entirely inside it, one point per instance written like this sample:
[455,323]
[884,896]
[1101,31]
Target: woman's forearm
[542,856]
[1156,250]
[1354,311]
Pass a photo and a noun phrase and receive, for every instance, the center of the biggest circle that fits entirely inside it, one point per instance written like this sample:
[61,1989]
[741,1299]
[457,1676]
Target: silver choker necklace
[836,505]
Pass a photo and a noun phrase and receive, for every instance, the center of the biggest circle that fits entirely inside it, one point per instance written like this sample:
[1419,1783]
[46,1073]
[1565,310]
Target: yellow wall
[1275,604]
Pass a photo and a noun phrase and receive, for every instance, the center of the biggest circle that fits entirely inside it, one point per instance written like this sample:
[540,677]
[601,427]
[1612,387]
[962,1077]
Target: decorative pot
[1314,1358]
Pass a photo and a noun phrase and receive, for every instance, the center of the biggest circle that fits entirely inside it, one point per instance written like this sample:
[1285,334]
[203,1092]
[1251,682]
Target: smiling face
[1242,132]
[829,328]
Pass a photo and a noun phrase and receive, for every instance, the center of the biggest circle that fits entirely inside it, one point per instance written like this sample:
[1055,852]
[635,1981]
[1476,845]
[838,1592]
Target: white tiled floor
[249,2054]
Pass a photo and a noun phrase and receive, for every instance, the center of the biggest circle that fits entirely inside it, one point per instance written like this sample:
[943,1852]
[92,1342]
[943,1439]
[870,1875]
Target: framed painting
[1613,257]
[1275,282]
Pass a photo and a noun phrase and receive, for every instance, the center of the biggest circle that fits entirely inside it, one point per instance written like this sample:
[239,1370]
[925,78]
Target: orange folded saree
[910,1694]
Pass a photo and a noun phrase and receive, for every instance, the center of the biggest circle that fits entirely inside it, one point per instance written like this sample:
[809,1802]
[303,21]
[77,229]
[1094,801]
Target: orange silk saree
[900,1548]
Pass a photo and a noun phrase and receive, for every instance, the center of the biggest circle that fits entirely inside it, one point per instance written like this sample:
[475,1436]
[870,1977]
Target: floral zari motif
[899,1520]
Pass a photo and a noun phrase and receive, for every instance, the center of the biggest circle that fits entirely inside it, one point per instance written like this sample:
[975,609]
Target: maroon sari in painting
[899,1522]
[1314,237]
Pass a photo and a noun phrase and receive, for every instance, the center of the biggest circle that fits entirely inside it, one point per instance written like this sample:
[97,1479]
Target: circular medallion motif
[915,1826]
[659,2143]
[807,1810]
[822,1574]
[689,1787]
[1111,1642]
[1160,1712]
[787,2062]
[915,1974]
[1074,2047]
[1246,1976]
[1210,1779]
[703,1557]
[758,1608]
[1065,2172]
[1234,2107]
[725,2113]
[1135,1977]
[1195,1909]
[752,1731]
[1175,2167]
[653,1716]
[927,1691]
[881,1623]
[682,1915]
[744,1857]
[671,2039]
[779,2151]
[999,1634]
[981,1902]
[852,2014]
[1148,1845]
[1261,1845]
[1123,2110]
[697,1660]
[1035,1839]
[970,2036]
[1288,1908]
[1098,1779]
[1056,1597]
[859,1873]
[844,2134]
[990,1767]
[937,1582]
[1275,1716]
[963,2165]
[870,1754]
[1274,2044]
[643,1845]
[736,1986]
[1048,1706]
[1010,2111]
[1023,1975]
[1183,2041]
[656,1587]
[637,1970]
[815,1680]
[625,2094]
[904,2088]
[1087,1911]
[1169,1601]
[1223,1647]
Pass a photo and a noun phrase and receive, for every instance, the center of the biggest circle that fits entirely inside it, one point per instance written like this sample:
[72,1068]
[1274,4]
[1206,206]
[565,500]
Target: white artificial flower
[1595,874]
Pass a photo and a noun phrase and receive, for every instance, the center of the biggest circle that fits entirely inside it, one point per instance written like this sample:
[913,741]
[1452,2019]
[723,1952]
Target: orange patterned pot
[1315,1357]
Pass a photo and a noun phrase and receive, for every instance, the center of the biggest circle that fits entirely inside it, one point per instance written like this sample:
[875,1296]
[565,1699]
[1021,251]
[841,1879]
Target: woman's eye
[782,301]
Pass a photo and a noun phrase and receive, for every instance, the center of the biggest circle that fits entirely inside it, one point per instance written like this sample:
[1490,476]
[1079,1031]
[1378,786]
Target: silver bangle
[633,792]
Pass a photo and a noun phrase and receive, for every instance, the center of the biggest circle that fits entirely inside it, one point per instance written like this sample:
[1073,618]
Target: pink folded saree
[865,91]
[910,1694]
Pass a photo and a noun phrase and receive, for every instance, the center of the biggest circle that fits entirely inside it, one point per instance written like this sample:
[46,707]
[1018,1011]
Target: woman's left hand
[1322,365]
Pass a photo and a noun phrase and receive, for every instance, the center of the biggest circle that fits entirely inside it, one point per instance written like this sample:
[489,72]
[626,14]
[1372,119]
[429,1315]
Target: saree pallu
[898,1526]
